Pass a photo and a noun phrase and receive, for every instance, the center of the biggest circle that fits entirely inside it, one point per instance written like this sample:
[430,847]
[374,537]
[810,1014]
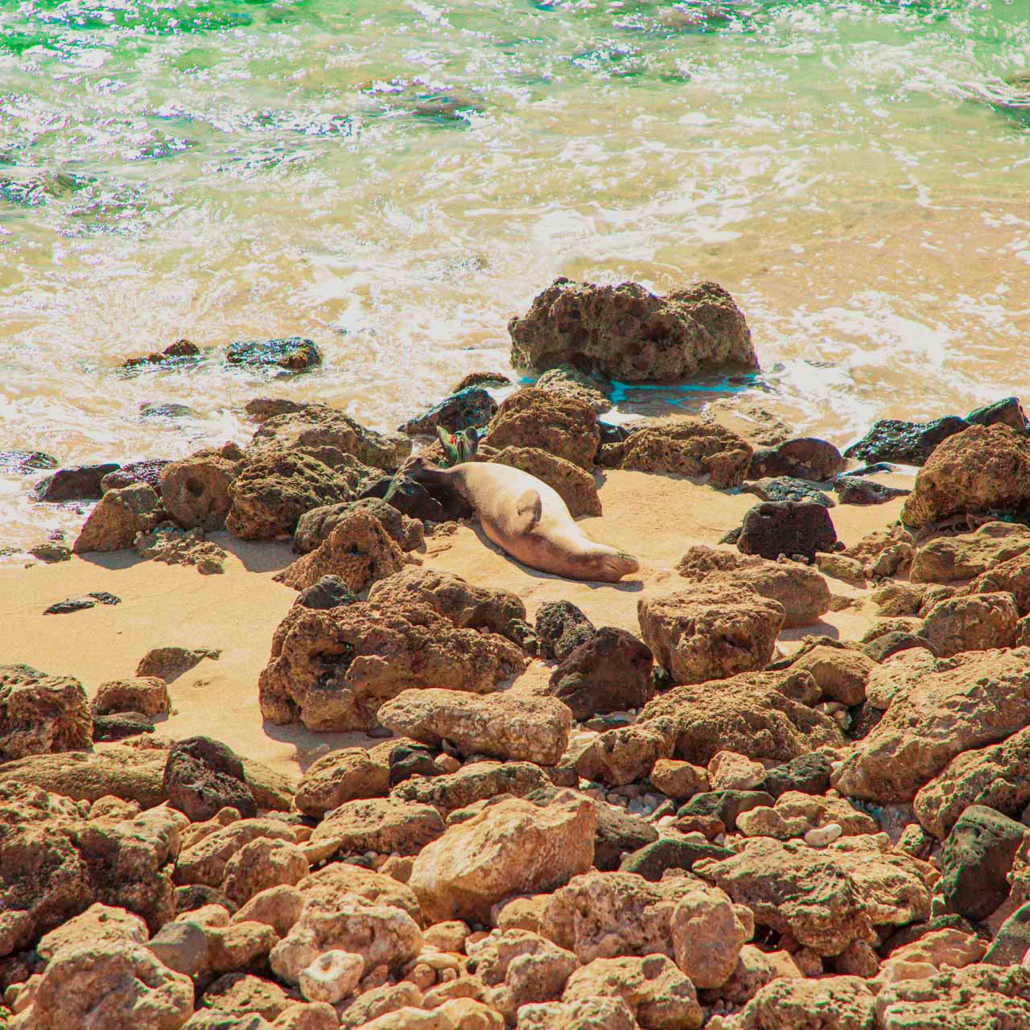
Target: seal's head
[607,565]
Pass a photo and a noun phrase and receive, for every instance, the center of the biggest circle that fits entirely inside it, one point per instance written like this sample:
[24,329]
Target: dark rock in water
[864,718]
[147,471]
[808,774]
[293,354]
[419,502]
[908,443]
[328,592]
[471,407]
[612,433]
[177,353]
[406,762]
[482,379]
[653,859]
[870,470]
[51,552]
[518,631]
[74,483]
[104,597]
[725,805]
[1008,411]
[25,463]
[787,527]
[975,861]
[197,895]
[627,333]
[853,490]
[1012,941]
[786,488]
[73,604]
[168,411]
[804,458]
[120,725]
[202,776]
[610,672]
[883,647]
[912,932]
[561,628]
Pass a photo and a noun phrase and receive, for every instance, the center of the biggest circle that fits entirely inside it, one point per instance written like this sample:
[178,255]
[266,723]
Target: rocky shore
[286,743]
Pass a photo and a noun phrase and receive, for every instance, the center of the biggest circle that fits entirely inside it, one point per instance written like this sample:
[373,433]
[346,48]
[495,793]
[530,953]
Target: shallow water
[395,180]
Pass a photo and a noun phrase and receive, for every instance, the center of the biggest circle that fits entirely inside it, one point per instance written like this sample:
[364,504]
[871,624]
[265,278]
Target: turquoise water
[395,180]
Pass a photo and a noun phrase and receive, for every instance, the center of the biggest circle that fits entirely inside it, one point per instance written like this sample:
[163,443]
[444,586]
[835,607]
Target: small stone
[820,836]
[332,977]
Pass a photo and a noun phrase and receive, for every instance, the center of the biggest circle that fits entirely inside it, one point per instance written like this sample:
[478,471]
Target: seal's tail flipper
[528,509]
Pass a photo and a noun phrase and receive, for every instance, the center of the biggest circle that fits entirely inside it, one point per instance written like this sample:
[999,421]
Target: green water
[395,180]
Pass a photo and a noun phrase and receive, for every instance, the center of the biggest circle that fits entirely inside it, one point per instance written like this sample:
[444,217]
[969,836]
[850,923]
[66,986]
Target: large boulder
[345,775]
[630,334]
[905,443]
[1011,576]
[314,526]
[966,702]
[686,446]
[501,725]
[147,695]
[792,1003]
[803,592]
[803,458]
[561,627]
[975,623]
[270,494]
[574,485]
[511,847]
[333,669]
[760,715]
[787,527]
[946,559]
[710,632]
[195,490]
[358,550]
[562,426]
[997,776]
[980,470]
[74,483]
[40,714]
[384,825]
[608,673]
[202,776]
[464,604]
[121,514]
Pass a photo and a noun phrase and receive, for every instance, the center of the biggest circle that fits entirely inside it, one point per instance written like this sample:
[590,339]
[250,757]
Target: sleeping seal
[527,519]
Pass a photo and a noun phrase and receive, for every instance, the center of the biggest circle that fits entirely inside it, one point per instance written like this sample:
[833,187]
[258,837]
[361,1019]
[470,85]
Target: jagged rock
[534,729]
[120,726]
[511,847]
[145,694]
[174,354]
[787,527]
[974,699]
[975,623]
[891,643]
[575,486]
[315,526]
[626,754]
[561,627]
[761,715]
[835,1003]
[181,547]
[195,490]
[905,443]
[117,985]
[795,814]
[467,408]
[653,859]
[25,463]
[1011,576]
[327,592]
[1012,941]
[630,334]
[340,776]
[334,669]
[98,923]
[947,559]
[853,490]
[755,970]
[710,632]
[291,354]
[270,494]
[687,446]
[589,1014]
[331,436]
[205,861]
[465,605]
[976,860]
[569,381]
[262,864]
[384,825]
[841,673]
[803,592]
[168,663]
[479,781]
[804,458]
[40,714]
[680,780]
[358,550]
[74,483]
[120,515]
[610,672]
[203,776]
[147,471]
[51,551]
[884,552]
[725,805]
[997,776]
[809,774]
[980,470]
[785,488]
[338,879]
[562,426]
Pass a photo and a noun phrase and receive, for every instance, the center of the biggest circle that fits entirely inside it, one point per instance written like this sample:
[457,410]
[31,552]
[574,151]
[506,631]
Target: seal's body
[529,520]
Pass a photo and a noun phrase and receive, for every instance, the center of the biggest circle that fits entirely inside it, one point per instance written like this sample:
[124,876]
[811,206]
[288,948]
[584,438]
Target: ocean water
[395,180]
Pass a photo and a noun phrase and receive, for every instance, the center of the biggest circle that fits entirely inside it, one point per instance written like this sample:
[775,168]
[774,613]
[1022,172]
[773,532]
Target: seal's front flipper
[528,509]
